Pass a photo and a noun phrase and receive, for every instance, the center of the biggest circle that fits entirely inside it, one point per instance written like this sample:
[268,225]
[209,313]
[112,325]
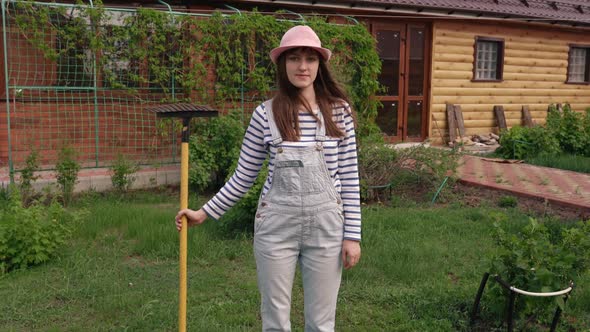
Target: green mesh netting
[58,96]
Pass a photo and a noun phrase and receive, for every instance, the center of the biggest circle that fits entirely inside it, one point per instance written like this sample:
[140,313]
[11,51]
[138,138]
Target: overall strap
[274,131]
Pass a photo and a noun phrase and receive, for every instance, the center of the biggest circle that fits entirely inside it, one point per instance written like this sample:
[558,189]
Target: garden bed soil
[477,196]
[474,196]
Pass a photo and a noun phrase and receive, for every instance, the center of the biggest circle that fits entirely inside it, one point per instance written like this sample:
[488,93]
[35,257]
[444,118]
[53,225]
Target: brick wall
[122,129]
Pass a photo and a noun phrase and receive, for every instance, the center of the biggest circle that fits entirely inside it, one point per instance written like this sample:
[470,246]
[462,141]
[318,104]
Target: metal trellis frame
[52,103]
[513,292]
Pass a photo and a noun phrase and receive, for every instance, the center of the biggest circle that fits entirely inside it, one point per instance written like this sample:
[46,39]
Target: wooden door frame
[403,84]
[425,83]
[401,27]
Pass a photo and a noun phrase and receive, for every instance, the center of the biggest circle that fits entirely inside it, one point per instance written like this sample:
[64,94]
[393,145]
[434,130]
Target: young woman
[309,208]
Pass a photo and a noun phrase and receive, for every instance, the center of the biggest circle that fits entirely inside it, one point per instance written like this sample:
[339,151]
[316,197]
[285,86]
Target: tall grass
[575,163]
[419,271]
[568,162]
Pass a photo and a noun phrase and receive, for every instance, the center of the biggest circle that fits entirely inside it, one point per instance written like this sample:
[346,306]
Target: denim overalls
[300,219]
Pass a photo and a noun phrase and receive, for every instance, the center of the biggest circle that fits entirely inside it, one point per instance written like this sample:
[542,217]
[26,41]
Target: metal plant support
[64,94]
[513,292]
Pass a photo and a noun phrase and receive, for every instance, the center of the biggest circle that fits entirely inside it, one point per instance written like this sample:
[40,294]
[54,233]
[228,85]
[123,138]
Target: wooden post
[526,117]
[499,112]
[459,120]
[452,123]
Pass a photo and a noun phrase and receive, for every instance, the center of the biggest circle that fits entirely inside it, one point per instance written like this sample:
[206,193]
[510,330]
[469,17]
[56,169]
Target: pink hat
[300,36]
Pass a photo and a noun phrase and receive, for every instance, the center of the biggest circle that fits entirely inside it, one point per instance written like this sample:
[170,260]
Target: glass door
[390,49]
[403,51]
[414,118]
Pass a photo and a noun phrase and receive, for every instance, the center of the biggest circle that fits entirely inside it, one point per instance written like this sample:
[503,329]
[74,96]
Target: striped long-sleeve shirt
[340,155]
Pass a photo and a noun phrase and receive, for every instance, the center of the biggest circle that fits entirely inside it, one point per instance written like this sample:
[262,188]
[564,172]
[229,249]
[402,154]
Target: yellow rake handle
[183,237]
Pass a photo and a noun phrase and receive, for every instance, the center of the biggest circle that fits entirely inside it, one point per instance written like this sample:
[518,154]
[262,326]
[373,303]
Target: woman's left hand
[351,253]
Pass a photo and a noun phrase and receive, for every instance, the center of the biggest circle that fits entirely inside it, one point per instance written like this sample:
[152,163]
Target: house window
[489,59]
[578,70]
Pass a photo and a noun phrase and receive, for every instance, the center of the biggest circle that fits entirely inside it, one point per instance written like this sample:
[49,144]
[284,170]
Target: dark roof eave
[426,11]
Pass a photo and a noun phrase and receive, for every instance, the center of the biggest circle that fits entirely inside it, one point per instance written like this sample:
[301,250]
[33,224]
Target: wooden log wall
[535,71]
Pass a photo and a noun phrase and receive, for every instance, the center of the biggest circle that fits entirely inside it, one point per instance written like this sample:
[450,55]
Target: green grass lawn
[567,162]
[420,270]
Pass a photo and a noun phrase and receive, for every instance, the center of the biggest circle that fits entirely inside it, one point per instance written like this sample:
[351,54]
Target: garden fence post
[482,286]
[510,319]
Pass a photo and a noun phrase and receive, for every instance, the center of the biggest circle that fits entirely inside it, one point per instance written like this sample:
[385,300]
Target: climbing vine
[220,60]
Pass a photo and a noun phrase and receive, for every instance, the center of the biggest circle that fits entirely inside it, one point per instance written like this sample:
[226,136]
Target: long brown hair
[288,100]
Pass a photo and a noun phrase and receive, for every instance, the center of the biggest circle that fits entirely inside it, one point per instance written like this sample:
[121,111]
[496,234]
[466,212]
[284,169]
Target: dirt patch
[537,207]
[475,196]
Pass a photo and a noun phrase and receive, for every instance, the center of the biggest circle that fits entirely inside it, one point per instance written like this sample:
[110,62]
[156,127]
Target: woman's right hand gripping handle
[192,217]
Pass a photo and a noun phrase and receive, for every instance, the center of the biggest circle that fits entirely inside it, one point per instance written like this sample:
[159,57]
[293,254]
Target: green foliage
[381,165]
[214,147]
[122,171]
[176,55]
[237,46]
[378,163]
[419,272]
[522,142]
[575,163]
[240,218]
[537,258]
[428,168]
[71,37]
[4,194]
[586,125]
[67,169]
[160,40]
[571,128]
[31,236]
[508,202]
[27,175]
[565,131]
[35,21]
[222,60]
[368,132]
[431,165]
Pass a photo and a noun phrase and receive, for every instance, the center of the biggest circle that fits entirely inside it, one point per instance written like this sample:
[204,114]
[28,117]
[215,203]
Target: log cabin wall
[535,72]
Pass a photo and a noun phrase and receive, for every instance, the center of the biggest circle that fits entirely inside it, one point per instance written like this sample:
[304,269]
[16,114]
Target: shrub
[380,165]
[67,173]
[27,175]
[214,147]
[376,164]
[570,129]
[4,195]
[522,143]
[367,131]
[431,165]
[586,151]
[31,236]
[537,259]
[240,218]
[507,201]
[121,173]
